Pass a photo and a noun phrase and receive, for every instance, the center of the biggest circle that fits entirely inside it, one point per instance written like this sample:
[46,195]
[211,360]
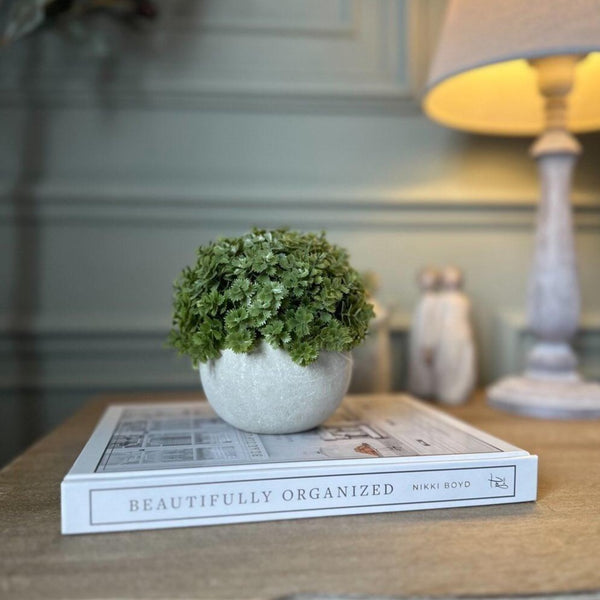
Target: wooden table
[552,546]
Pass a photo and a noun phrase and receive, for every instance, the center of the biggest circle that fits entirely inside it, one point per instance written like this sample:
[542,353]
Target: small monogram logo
[498,482]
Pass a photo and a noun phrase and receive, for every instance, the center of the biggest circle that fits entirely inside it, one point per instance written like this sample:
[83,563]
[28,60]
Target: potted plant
[270,318]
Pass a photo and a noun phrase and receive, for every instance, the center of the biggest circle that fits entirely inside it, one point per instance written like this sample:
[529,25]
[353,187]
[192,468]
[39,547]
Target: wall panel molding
[52,356]
[372,99]
[85,361]
[108,356]
[339,18]
[104,204]
[332,56]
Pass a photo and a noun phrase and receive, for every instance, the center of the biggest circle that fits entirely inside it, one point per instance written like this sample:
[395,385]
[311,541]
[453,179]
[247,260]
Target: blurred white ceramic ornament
[455,359]
[424,333]
[372,359]
[264,391]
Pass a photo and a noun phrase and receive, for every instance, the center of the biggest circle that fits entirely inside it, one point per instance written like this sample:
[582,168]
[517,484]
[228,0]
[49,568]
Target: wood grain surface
[552,546]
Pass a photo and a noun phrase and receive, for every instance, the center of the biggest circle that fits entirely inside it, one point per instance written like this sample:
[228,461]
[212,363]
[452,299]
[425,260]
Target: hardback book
[151,466]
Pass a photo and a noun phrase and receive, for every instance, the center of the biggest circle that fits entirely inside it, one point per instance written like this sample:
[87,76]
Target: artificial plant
[295,291]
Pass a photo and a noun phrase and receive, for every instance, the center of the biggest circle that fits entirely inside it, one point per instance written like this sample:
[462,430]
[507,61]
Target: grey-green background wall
[116,164]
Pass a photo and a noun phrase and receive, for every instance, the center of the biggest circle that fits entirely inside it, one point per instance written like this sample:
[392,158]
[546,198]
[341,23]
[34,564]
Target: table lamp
[531,68]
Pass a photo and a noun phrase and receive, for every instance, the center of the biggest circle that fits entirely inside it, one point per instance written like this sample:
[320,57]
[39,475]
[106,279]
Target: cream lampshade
[510,67]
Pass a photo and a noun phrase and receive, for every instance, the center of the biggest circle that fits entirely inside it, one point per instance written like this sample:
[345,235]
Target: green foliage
[296,291]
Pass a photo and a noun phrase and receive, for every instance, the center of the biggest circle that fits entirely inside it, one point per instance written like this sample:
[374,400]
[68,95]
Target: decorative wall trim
[342,24]
[78,357]
[80,361]
[374,100]
[142,205]
[374,81]
[109,356]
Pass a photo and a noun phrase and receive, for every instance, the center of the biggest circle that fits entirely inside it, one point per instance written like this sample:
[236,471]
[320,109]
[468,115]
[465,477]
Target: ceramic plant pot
[266,392]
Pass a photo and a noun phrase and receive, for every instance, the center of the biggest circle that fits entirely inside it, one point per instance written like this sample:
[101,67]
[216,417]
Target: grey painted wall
[115,167]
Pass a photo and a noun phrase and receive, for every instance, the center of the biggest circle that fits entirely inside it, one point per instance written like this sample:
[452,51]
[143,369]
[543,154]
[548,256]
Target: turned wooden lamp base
[551,386]
[546,399]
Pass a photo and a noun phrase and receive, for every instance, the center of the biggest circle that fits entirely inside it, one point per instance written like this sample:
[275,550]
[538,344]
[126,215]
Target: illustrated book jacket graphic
[150,466]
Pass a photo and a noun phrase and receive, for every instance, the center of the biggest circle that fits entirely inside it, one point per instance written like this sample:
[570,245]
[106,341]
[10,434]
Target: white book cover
[176,464]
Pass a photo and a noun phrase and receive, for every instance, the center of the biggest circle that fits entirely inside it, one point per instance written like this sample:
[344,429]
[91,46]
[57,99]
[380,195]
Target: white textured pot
[266,392]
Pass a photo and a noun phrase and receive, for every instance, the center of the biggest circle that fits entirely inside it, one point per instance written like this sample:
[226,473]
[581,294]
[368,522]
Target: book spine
[144,503]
